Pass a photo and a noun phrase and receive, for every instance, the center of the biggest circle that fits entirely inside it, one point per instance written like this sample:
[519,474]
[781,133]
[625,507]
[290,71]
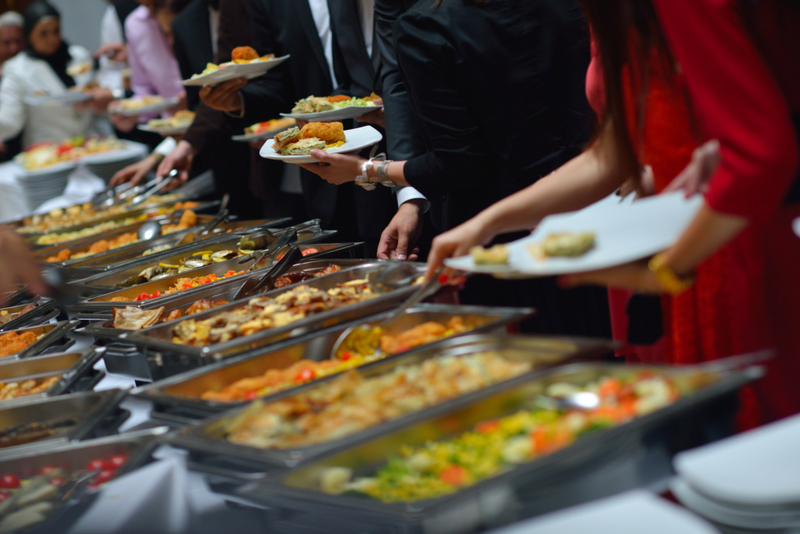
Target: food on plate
[194,261]
[79,68]
[182,284]
[243,53]
[352,402]
[240,55]
[496,255]
[181,119]
[6,316]
[130,104]
[262,313]
[26,499]
[314,135]
[188,220]
[269,126]
[32,386]
[45,154]
[317,104]
[14,342]
[442,467]
[131,318]
[567,244]
[303,276]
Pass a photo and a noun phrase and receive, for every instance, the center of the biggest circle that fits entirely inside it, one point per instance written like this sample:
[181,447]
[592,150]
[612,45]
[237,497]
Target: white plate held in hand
[357,139]
[234,71]
[350,112]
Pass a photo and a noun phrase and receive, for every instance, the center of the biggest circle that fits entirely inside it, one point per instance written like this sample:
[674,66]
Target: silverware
[159,186]
[254,285]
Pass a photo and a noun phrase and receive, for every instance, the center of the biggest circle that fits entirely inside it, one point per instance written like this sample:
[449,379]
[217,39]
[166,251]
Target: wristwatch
[670,282]
[364,180]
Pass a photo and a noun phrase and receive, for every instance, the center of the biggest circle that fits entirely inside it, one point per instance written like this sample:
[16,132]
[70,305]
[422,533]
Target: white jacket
[25,76]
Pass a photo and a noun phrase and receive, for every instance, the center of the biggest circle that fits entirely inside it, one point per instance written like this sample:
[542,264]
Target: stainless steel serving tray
[542,352]
[49,335]
[601,463]
[90,409]
[18,294]
[159,337]
[75,370]
[179,397]
[42,313]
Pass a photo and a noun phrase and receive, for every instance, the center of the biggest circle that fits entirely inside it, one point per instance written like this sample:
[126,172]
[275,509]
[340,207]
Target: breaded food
[567,244]
[338,98]
[303,147]
[496,255]
[286,137]
[312,104]
[243,53]
[330,132]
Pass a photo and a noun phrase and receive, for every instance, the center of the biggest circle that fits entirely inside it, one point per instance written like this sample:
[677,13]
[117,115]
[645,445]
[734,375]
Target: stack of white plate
[40,186]
[747,483]
[107,164]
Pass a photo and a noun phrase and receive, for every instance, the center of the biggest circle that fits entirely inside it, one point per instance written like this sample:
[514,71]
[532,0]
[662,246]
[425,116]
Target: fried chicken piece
[174,314]
[286,137]
[243,53]
[63,255]
[188,219]
[330,132]
[338,98]
[99,246]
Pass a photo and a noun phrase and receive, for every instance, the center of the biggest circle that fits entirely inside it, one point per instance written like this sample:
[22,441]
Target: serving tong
[252,285]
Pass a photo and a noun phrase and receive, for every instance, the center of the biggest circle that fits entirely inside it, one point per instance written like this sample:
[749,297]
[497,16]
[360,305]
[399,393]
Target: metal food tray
[42,313]
[83,244]
[96,412]
[159,338]
[179,397]
[49,334]
[76,370]
[208,438]
[18,294]
[71,457]
[635,454]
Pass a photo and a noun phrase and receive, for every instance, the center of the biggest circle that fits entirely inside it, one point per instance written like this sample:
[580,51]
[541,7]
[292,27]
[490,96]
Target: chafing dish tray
[70,461]
[69,372]
[599,463]
[47,335]
[210,437]
[37,312]
[18,294]
[71,417]
[159,338]
[180,397]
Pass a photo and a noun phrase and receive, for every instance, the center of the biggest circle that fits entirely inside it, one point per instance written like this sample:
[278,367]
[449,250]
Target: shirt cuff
[166,146]
[404,194]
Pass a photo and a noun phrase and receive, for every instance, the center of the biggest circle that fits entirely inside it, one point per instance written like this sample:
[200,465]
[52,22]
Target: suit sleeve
[456,155]
[739,102]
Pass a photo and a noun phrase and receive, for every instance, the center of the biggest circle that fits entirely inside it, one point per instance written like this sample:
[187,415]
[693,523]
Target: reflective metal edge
[50,333]
[43,305]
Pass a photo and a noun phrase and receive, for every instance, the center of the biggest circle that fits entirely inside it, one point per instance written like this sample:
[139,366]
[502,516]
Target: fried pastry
[567,244]
[243,53]
[286,137]
[303,147]
[330,132]
[496,255]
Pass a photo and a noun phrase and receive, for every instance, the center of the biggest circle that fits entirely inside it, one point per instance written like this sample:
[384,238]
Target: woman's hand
[224,97]
[17,264]
[695,177]
[181,159]
[457,242]
[635,276]
[135,173]
[398,239]
[336,169]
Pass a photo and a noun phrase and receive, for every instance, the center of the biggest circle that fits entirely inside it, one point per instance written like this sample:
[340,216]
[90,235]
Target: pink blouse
[154,69]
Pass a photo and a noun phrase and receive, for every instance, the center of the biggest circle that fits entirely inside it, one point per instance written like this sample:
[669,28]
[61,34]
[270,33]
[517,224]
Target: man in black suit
[330,55]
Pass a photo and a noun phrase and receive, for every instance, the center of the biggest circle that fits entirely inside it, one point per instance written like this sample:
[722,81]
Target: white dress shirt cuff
[404,194]
[166,146]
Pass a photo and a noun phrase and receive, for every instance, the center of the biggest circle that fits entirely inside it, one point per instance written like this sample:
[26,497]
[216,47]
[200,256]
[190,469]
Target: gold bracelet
[669,281]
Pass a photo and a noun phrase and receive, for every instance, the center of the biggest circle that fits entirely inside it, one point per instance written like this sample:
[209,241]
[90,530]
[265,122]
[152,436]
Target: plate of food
[600,236]
[57,100]
[264,130]
[131,107]
[49,157]
[333,108]
[245,63]
[295,144]
[175,125]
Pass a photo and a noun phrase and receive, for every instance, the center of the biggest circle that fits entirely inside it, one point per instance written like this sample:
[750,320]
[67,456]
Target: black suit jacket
[193,47]
[287,27]
[499,91]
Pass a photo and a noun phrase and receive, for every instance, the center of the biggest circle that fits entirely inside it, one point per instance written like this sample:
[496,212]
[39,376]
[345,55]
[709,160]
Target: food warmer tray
[158,339]
[137,446]
[42,313]
[48,335]
[76,370]
[179,397]
[602,463]
[18,294]
[151,215]
[97,414]
[83,244]
[207,439]
[106,282]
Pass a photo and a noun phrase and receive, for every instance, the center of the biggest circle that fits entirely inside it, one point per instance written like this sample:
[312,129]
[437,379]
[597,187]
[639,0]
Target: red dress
[746,95]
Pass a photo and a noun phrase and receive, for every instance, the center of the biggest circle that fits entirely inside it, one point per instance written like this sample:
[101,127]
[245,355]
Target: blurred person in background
[47,66]
[12,42]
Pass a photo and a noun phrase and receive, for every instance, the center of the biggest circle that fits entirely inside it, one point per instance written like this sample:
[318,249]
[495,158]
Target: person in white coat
[47,66]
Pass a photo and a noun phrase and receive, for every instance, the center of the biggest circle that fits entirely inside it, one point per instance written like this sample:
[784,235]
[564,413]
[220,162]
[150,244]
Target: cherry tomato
[9,482]
[117,461]
[4,495]
[98,464]
[251,395]
[306,375]
[46,470]
[58,481]
[308,251]
[156,294]
[346,355]
[102,477]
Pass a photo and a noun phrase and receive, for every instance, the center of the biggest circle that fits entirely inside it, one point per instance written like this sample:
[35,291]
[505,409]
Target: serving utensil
[148,230]
[158,187]
[59,290]
[288,238]
[254,286]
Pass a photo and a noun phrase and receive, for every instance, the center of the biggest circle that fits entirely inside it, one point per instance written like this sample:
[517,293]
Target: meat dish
[32,386]
[14,342]
[182,284]
[313,136]
[6,317]
[132,318]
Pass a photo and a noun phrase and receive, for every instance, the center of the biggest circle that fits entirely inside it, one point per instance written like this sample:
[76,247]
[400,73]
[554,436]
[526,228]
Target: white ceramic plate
[180,130]
[153,108]
[352,112]
[624,232]
[58,168]
[64,99]
[357,139]
[129,151]
[231,72]
[246,138]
